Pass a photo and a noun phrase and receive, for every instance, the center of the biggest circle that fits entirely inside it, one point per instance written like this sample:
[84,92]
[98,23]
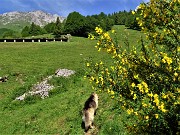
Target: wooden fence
[35,40]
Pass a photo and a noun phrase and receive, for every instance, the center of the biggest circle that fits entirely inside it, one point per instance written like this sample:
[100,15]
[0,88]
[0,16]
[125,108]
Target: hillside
[17,20]
[61,112]
[2,30]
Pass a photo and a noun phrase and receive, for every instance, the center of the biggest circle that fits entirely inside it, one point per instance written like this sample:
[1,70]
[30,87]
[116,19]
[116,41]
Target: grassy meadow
[26,64]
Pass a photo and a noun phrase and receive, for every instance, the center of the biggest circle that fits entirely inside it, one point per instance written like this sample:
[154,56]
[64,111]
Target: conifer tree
[58,28]
[25,31]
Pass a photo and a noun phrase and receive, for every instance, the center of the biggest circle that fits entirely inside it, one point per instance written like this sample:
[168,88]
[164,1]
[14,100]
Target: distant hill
[18,20]
[2,30]
[8,33]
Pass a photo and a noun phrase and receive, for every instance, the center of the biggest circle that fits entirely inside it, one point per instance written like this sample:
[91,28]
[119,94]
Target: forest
[78,25]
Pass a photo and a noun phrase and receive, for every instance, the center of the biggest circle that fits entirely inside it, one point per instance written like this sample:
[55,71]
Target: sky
[64,7]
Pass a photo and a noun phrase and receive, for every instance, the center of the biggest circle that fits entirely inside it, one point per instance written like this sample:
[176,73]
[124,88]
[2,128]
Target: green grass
[27,63]
[132,36]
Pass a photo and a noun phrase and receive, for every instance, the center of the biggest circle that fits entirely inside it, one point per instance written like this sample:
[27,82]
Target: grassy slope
[16,26]
[3,30]
[27,63]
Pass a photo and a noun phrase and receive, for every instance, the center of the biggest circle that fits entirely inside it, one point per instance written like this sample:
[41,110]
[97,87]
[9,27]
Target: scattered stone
[43,87]
[64,72]
[21,97]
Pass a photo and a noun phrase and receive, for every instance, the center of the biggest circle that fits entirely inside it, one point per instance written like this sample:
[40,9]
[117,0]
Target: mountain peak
[18,18]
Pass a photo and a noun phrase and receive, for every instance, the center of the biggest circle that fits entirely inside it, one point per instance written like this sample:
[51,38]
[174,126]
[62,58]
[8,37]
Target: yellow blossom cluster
[154,13]
[143,87]
[156,99]
[166,59]
[90,36]
[129,111]
[111,92]
[156,116]
[162,108]
[98,30]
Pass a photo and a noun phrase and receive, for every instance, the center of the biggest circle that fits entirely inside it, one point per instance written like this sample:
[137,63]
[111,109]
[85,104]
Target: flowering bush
[146,82]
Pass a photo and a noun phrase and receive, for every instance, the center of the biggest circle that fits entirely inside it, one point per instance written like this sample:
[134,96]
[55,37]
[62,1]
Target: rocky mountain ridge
[20,19]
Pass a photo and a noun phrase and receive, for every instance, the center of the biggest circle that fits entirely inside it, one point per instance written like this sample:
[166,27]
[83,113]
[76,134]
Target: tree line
[79,25]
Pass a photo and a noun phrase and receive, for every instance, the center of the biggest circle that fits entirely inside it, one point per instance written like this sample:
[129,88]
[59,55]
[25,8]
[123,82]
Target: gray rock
[64,72]
[21,97]
[42,89]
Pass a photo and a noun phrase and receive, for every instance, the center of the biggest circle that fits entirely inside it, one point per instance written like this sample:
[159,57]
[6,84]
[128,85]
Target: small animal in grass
[89,111]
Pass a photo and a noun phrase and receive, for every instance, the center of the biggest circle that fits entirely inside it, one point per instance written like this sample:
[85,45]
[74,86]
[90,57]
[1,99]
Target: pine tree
[25,31]
[58,28]
[36,30]
[50,27]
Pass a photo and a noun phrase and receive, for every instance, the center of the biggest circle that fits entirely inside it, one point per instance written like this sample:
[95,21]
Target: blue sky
[64,7]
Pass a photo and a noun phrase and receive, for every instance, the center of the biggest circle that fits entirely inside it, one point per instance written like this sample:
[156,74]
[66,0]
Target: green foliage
[92,22]
[25,31]
[41,36]
[75,24]
[107,23]
[120,17]
[131,22]
[33,30]
[50,27]
[58,28]
[79,25]
[125,18]
[2,30]
[145,82]
[8,33]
